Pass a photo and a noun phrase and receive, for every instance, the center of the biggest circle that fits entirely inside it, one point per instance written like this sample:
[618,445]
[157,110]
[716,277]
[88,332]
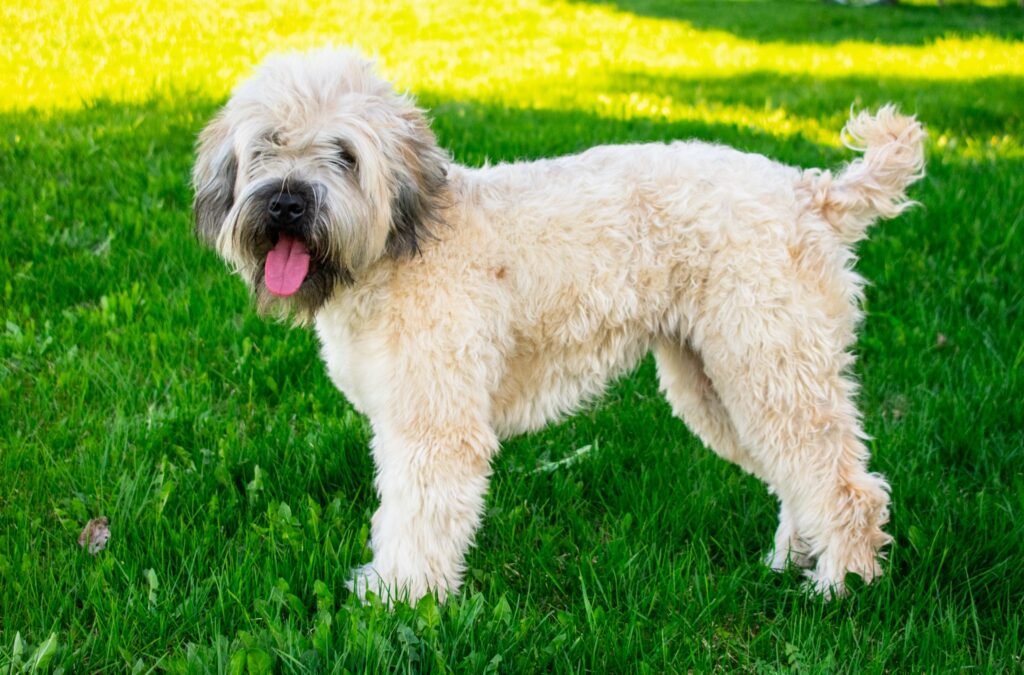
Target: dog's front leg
[431,478]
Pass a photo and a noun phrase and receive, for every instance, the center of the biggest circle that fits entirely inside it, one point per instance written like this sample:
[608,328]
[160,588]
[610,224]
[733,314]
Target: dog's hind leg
[693,398]
[780,376]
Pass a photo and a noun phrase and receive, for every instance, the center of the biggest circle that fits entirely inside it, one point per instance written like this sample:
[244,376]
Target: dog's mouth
[286,266]
[294,269]
[288,257]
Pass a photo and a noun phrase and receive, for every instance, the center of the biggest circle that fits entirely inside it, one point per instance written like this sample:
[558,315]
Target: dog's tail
[875,184]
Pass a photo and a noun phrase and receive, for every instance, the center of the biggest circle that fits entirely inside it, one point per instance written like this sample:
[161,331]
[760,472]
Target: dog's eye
[344,159]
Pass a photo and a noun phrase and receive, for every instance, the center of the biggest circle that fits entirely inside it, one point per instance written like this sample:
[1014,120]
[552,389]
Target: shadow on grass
[129,308]
[813,21]
[980,107]
[97,205]
[98,199]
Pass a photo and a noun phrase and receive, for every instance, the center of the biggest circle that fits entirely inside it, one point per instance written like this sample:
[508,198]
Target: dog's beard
[255,236]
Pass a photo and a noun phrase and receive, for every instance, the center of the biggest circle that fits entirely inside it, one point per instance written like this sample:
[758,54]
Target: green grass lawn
[137,382]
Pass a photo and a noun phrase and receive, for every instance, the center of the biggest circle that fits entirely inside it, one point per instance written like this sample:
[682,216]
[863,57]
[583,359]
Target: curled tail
[875,184]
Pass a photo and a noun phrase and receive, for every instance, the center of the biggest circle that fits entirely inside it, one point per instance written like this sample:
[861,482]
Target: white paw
[365,579]
[779,558]
[824,586]
[368,580]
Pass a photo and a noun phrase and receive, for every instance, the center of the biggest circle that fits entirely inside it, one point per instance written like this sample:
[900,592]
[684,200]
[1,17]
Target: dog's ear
[213,178]
[421,190]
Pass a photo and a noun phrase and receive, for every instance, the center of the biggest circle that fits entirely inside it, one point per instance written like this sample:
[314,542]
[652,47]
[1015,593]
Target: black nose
[286,208]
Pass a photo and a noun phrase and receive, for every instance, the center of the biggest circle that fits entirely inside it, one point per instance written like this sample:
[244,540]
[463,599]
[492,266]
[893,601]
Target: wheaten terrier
[459,306]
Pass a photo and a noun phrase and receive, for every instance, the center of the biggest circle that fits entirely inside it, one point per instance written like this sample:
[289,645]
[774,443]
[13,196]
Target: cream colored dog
[459,306]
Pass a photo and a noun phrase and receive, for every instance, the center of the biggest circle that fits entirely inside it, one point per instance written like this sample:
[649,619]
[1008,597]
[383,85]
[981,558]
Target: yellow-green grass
[137,382]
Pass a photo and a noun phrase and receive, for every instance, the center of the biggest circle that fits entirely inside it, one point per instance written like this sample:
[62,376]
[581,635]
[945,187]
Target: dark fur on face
[215,175]
[212,205]
[260,235]
[422,193]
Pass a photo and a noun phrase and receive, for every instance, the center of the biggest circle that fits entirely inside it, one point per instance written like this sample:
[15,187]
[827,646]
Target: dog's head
[312,172]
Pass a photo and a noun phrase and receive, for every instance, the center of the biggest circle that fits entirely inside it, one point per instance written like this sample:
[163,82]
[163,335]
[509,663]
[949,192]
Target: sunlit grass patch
[528,51]
[559,55]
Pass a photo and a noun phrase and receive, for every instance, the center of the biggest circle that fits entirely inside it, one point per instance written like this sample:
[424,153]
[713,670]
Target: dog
[458,306]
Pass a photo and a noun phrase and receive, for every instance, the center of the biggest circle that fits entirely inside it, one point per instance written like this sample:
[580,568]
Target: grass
[136,381]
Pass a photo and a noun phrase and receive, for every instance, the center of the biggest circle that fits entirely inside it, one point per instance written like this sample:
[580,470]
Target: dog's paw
[778,559]
[369,583]
[823,586]
[365,580]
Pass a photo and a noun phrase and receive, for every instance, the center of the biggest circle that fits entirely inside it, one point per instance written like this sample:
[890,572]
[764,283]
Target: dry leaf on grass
[96,535]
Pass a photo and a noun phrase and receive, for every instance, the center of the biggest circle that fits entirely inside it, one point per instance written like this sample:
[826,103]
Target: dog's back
[589,259]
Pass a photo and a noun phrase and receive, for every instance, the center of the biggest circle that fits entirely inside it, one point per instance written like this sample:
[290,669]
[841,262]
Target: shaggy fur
[457,306]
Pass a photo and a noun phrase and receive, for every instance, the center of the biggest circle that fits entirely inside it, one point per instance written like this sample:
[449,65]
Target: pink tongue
[287,265]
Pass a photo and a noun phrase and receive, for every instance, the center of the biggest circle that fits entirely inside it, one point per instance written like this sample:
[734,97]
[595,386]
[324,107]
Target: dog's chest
[348,361]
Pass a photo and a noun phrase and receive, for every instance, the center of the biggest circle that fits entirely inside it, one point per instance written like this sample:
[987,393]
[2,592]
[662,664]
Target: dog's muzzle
[286,209]
[287,264]
[286,235]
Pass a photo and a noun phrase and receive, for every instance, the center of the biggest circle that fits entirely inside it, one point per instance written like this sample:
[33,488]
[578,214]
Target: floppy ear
[421,190]
[213,178]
